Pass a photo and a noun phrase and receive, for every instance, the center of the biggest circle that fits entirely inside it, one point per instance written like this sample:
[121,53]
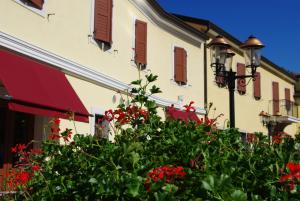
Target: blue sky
[275,22]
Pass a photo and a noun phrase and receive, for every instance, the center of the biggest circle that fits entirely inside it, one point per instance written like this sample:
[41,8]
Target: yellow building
[273,94]
[60,56]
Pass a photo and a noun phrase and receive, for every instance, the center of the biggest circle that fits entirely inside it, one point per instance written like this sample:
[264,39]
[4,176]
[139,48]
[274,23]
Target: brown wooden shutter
[256,86]
[241,82]
[275,89]
[180,65]
[287,95]
[37,3]
[103,21]
[140,42]
[220,80]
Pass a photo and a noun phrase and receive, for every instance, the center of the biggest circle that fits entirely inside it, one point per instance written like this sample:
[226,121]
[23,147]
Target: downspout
[205,73]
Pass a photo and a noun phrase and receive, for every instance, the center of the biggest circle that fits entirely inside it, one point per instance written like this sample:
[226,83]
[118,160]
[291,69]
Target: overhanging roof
[211,26]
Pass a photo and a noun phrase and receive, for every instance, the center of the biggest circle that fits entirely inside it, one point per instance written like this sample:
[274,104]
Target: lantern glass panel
[218,54]
[228,63]
[252,57]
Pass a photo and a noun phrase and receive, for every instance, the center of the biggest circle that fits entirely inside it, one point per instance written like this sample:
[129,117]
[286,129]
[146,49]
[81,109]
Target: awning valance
[38,89]
[176,114]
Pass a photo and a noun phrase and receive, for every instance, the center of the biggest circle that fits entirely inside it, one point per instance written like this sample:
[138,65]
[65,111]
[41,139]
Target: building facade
[79,56]
[270,94]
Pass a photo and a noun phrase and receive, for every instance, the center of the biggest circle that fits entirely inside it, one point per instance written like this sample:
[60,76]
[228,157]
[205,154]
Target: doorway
[15,128]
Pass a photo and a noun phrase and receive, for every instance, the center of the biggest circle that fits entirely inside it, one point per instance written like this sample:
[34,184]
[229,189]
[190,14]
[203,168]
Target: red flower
[13,149]
[109,115]
[56,121]
[35,168]
[21,147]
[53,136]
[24,176]
[291,177]
[190,108]
[36,151]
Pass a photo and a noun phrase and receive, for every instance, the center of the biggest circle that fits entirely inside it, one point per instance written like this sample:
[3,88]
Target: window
[102,129]
[36,6]
[103,21]
[140,44]
[180,66]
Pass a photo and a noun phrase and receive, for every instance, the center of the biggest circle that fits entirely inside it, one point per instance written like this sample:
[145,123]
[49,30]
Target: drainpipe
[205,70]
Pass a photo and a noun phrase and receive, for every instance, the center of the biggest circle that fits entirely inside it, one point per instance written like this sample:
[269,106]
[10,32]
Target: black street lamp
[221,62]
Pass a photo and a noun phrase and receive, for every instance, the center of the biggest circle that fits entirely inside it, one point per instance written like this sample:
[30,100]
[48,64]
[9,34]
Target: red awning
[182,115]
[38,89]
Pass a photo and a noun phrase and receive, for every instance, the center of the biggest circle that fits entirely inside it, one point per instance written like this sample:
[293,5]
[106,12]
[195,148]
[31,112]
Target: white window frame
[173,46]
[97,111]
[40,12]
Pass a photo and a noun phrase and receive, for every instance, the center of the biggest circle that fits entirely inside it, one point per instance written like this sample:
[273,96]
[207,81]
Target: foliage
[153,159]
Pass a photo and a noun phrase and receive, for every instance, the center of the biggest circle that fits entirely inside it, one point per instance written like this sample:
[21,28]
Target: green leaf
[206,186]
[151,78]
[136,82]
[93,180]
[155,90]
[134,90]
[238,195]
[134,187]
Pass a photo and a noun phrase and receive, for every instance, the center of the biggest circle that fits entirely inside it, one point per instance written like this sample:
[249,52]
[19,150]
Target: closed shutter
[275,90]
[241,82]
[38,3]
[180,65]
[220,80]
[103,21]
[140,42]
[256,86]
[287,94]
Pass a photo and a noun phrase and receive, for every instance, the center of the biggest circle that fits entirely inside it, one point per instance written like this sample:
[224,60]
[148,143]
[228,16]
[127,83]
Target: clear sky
[275,22]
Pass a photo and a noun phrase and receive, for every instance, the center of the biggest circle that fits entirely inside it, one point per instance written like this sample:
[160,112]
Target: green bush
[152,159]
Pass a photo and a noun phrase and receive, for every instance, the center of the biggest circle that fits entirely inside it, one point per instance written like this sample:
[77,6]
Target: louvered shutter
[241,82]
[140,42]
[103,21]
[275,90]
[220,80]
[287,94]
[37,3]
[256,86]
[180,65]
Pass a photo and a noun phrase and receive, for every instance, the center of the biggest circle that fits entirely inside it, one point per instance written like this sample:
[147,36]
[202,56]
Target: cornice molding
[77,70]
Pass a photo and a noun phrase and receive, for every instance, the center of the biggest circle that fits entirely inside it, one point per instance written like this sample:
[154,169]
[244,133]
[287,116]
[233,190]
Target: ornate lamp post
[221,62]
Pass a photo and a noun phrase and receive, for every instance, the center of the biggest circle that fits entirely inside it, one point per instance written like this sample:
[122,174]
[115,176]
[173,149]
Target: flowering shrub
[153,159]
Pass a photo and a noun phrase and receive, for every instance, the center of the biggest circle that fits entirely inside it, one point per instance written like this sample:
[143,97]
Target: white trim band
[75,69]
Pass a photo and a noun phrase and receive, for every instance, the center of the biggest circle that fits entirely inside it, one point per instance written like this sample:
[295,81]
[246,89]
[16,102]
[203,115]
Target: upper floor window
[103,21]
[140,44]
[180,66]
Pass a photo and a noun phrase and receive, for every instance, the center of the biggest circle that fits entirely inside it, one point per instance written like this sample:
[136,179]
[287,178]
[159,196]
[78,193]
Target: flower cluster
[164,173]
[18,177]
[126,115]
[290,179]
[55,131]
